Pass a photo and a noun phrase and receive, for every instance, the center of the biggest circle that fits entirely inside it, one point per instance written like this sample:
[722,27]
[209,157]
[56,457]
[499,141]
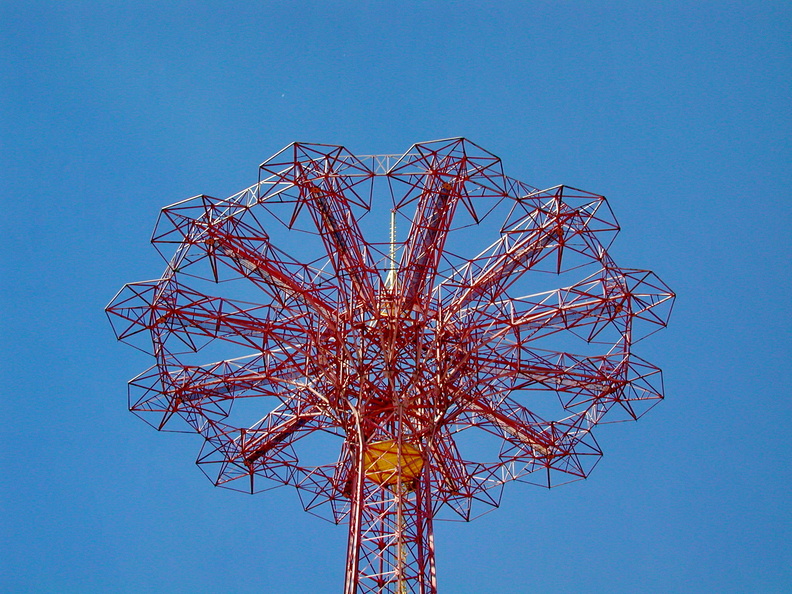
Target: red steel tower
[392,380]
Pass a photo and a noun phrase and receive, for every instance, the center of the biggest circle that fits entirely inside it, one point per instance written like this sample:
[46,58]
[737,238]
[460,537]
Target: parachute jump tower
[387,334]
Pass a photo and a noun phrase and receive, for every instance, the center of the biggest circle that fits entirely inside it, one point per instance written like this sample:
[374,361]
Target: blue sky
[678,112]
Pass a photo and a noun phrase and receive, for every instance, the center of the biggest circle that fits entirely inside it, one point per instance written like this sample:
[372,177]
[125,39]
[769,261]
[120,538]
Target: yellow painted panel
[383,461]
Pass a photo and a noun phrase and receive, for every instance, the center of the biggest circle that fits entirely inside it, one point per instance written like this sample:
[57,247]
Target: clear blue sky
[678,112]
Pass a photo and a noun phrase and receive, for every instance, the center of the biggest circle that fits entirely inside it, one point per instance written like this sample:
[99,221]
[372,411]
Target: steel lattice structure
[391,380]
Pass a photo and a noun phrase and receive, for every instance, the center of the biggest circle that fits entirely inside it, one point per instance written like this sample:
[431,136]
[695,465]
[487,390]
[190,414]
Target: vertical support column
[391,543]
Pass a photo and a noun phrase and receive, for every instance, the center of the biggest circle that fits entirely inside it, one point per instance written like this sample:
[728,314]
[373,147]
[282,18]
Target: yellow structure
[385,460]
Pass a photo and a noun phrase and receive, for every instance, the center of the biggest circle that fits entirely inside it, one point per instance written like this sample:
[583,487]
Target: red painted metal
[400,377]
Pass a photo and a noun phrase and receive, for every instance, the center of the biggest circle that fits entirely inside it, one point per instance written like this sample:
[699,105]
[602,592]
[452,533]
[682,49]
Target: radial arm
[425,243]
[343,239]
[271,270]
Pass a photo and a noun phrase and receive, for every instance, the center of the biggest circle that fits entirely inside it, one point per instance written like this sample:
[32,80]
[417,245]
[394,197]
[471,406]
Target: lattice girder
[340,327]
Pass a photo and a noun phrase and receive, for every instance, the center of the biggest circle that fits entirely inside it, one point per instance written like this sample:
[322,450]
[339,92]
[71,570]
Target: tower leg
[391,544]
